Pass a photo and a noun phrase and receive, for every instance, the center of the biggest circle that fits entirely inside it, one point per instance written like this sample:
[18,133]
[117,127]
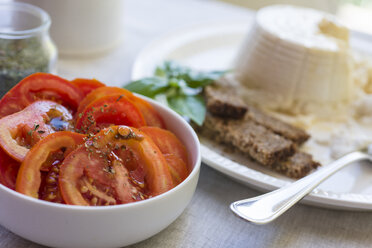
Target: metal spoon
[267,207]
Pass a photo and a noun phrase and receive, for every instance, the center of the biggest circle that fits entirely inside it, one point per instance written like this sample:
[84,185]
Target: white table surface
[207,221]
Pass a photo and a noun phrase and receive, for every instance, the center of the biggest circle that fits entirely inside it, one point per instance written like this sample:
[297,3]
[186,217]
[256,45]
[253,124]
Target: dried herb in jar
[22,57]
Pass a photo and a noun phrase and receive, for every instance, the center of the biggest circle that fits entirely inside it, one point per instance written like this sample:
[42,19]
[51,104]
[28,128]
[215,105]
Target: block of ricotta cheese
[295,57]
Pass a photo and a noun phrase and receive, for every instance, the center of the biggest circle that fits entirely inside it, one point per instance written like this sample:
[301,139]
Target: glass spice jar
[25,44]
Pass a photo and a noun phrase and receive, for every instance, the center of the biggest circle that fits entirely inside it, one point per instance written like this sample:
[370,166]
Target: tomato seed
[51,180]
[84,189]
[94,200]
[124,131]
[51,197]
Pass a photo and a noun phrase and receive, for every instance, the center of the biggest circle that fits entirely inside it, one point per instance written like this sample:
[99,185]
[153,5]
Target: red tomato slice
[87,85]
[39,172]
[118,165]
[109,110]
[8,170]
[21,130]
[167,142]
[89,180]
[101,92]
[177,168]
[40,86]
[151,116]
[173,150]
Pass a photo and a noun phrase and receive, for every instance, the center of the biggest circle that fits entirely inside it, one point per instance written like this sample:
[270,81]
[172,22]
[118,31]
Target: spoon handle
[267,207]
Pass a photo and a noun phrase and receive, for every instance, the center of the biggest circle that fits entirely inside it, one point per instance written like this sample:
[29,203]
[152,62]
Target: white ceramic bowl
[60,225]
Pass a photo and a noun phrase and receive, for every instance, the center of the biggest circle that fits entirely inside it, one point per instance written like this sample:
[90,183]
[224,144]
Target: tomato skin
[29,176]
[87,85]
[151,116]
[173,150]
[40,86]
[156,169]
[8,170]
[112,141]
[23,129]
[177,168]
[101,92]
[167,142]
[109,110]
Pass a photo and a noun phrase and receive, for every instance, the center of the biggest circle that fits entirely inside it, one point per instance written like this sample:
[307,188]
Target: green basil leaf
[194,79]
[159,72]
[189,106]
[201,79]
[171,69]
[149,87]
[178,87]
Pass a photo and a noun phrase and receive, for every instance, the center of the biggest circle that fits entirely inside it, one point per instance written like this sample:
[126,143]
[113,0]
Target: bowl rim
[194,172]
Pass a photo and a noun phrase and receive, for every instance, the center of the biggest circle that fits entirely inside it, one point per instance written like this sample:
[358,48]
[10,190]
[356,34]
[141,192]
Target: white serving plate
[213,46]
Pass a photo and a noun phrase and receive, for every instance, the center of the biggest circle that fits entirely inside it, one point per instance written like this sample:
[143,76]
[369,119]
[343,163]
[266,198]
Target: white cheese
[295,59]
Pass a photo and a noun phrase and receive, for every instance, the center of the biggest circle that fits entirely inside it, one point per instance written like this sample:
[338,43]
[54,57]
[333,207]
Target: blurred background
[357,14]
[101,33]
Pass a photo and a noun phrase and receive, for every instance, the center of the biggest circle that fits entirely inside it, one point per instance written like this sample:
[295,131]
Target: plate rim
[318,197]
[178,36]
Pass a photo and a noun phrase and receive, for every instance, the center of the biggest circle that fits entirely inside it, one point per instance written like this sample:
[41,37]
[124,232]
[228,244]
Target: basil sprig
[178,87]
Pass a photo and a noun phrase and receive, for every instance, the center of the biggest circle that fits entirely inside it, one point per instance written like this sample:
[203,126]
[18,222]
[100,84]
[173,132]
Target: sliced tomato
[87,85]
[8,170]
[167,142]
[101,92]
[39,173]
[89,180]
[177,168]
[21,130]
[118,165]
[173,150]
[151,116]
[40,86]
[109,110]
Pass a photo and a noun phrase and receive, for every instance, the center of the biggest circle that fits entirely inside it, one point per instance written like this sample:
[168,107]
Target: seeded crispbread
[223,100]
[265,139]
